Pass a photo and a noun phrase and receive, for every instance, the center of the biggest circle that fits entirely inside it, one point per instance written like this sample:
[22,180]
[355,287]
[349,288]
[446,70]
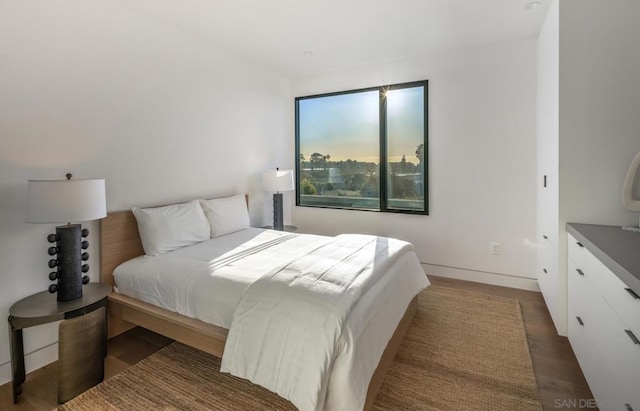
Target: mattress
[183,282]
[194,281]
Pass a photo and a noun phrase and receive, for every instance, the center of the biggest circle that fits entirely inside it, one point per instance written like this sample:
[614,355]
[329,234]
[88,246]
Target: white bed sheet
[182,282]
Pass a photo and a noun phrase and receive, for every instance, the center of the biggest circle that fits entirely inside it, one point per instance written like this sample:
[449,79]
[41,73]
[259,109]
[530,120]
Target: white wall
[482,168]
[94,89]
[599,108]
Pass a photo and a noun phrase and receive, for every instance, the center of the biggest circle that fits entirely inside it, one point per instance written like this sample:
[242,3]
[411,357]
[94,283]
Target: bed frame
[120,241]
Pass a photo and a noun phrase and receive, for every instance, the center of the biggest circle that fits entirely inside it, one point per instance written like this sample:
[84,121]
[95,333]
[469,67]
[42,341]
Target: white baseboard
[503,280]
[37,359]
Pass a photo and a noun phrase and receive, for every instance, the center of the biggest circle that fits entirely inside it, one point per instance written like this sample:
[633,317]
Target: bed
[154,302]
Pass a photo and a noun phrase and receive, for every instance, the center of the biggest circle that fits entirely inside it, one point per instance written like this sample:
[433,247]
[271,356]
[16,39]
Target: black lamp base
[278,217]
[69,246]
[69,263]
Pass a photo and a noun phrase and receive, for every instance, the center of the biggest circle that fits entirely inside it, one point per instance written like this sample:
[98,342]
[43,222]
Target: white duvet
[286,328]
[362,283]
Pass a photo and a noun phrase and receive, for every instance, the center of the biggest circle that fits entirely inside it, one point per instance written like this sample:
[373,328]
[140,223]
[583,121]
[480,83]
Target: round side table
[43,308]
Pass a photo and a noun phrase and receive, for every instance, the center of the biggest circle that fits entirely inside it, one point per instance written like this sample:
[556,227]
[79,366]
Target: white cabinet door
[547,184]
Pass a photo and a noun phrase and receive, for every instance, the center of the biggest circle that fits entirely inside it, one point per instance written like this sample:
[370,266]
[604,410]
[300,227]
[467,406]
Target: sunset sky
[346,126]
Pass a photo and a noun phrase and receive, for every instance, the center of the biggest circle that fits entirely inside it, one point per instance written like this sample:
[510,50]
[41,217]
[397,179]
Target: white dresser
[604,312]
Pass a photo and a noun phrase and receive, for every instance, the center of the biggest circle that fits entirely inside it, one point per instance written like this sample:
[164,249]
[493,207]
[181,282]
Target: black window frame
[382,181]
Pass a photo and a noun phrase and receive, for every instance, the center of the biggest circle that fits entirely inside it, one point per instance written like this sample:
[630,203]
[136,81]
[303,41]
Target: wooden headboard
[120,241]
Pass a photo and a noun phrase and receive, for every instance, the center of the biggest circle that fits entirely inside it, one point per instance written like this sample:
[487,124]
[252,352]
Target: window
[364,149]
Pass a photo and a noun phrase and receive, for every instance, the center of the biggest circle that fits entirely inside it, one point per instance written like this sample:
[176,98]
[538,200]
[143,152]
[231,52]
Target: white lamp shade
[278,180]
[65,201]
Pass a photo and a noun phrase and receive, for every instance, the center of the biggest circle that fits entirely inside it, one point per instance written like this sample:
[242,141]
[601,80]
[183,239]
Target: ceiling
[303,37]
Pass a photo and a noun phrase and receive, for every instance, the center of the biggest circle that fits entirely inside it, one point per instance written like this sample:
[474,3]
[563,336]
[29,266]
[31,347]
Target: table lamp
[64,201]
[278,180]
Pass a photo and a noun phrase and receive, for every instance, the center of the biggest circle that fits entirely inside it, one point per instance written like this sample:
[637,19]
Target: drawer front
[547,274]
[622,300]
[547,211]
[548,232]
[549,291]
[622,355]
[587,341]
[584,260]
[624,303]
[547,260]
[577,315]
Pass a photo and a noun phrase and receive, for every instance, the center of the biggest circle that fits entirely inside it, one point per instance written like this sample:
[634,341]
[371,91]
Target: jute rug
[463,351]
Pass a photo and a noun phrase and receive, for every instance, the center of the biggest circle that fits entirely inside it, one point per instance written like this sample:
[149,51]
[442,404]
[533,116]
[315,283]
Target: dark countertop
[617,249]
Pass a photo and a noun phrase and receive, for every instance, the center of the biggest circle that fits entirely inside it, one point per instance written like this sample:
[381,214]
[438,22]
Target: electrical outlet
[496,248]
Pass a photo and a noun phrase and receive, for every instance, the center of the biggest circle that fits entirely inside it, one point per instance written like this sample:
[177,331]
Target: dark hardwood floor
[557,372]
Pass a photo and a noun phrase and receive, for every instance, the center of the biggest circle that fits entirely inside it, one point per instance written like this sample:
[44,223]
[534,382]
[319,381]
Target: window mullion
[298,163]
[382,168]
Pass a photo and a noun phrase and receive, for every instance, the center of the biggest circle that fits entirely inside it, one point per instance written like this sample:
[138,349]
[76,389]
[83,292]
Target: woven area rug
[463,351]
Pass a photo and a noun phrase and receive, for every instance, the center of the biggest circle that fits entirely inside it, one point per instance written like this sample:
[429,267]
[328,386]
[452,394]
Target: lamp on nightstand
[278,180]
[63,201]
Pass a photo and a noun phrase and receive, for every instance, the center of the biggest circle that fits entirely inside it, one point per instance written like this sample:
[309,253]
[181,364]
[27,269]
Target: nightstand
[288,228]
[82,343]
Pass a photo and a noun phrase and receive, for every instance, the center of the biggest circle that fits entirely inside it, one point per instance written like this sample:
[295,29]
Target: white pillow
[226,215]
[163,229]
